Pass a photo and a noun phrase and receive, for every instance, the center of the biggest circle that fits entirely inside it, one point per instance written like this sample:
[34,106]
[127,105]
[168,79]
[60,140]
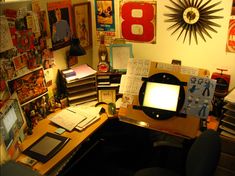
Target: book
[230,97]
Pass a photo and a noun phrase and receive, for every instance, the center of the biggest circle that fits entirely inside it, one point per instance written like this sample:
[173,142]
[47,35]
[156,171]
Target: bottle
[103,65]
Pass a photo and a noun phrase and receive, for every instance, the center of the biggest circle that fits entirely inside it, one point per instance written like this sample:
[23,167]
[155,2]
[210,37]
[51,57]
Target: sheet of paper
[5,35]
[138,67]
[130,85]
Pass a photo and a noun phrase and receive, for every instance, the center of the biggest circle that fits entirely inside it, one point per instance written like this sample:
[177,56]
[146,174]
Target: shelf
[80,91]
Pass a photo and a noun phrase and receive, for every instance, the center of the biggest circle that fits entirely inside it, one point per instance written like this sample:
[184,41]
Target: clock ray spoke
[201,7]
[195,3]
[186,3]
[201,34]
[177,5]
[210,7]
[176,25]
[203,30]
[174,9]
[195,33]
[208,22]
[186,32]
[175,16]
[183,28]
[190,33]
[182,3]
[212,17]
[208,27]
[211,11]
[200,2]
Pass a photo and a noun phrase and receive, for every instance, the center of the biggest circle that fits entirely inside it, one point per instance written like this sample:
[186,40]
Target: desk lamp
[75,50]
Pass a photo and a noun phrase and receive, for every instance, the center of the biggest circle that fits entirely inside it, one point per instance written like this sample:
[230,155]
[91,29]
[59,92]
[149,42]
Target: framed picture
[82,23]
[29,86]
[119,55]
[60,20]
[107,96]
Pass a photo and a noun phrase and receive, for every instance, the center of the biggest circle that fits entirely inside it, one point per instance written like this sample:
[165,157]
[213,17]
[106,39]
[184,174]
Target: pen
[71,111]
[82,120]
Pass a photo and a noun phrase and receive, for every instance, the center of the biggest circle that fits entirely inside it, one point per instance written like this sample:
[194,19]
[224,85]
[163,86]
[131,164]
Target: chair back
[204,154]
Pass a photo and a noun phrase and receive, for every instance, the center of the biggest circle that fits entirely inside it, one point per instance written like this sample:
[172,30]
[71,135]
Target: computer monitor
[161,96]
[12,121]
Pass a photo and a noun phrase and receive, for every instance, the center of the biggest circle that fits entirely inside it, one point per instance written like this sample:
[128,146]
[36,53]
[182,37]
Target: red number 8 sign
[138,21]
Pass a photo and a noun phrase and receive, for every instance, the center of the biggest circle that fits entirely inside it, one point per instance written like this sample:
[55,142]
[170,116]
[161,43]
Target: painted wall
[209,55]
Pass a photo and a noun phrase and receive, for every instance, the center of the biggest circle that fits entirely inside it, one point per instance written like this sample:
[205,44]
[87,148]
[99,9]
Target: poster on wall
[60,20]
[29,86]
[82,23]
[199,96]
[230,46]
[233,8]
[105,21]
[138,21]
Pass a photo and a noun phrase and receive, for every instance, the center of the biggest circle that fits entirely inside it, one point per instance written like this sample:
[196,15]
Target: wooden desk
[178,126]
[76,138]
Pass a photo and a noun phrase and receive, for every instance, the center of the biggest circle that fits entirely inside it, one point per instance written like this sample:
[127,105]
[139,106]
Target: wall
[209,55]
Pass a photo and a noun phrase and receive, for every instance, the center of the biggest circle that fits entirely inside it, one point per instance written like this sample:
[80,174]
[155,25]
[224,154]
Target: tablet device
[46,147]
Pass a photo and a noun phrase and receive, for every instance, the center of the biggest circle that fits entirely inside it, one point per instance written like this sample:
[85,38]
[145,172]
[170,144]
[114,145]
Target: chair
[201,160]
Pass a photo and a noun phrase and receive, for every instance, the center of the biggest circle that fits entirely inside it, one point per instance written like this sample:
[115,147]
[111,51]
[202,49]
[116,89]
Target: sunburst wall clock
[193,18]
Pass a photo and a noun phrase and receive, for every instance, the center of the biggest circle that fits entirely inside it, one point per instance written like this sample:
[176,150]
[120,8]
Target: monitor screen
[12,120]
[161,96]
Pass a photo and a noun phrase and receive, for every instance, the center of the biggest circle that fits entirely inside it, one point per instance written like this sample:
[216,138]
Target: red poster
[230,47]
[138,21]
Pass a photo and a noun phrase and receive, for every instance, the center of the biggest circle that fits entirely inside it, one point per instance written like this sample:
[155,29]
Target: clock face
[193,18]
[191,15]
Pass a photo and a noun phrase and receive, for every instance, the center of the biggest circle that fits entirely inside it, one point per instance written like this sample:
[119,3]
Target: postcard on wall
[5,35]
[230,46]
[29,86]
[199,96]
[60,20]
[105,19]
[138,21]
[138,67]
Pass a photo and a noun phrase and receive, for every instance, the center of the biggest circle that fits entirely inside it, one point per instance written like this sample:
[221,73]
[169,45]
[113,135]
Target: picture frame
[107,95]
[82,23]
[61,29]
[119,55]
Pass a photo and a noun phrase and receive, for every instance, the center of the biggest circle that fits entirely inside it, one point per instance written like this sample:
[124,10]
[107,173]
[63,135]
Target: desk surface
[77,137]
[178,126]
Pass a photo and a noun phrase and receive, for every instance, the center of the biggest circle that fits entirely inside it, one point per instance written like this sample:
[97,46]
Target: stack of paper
[78,117]
[67,119]
[91,114]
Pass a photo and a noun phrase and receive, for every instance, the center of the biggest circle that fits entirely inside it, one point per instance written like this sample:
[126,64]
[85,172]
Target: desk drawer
[220,171]
[228,146]
[227,161]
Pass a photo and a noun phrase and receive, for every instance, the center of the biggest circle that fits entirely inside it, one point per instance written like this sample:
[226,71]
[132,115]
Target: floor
[122,150]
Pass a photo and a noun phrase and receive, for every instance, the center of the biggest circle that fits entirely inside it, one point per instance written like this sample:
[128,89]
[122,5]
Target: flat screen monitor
[12,121]
[161,96]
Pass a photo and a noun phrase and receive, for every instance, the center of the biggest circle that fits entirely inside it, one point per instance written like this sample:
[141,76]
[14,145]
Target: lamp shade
[76,49]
